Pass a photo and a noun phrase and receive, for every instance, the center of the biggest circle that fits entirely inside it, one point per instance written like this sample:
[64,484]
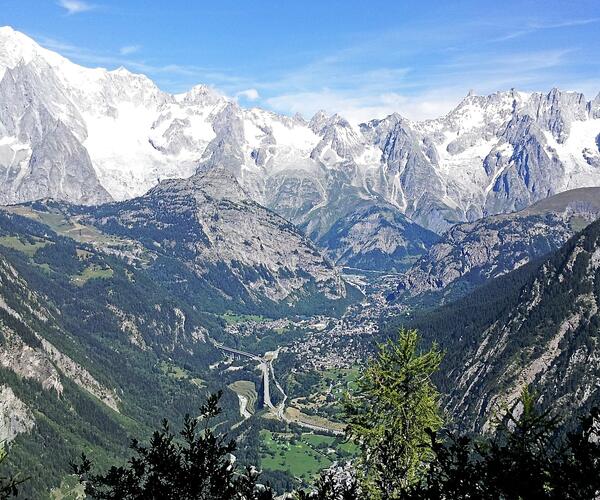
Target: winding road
[264,365]
[268,372]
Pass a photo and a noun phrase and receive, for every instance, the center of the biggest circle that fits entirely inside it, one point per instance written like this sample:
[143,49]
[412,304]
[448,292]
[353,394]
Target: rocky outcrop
[226,149]
[80,375]
[45,364]
[376,236]
[129,327]
[28,361]
[471,253]
[15,417]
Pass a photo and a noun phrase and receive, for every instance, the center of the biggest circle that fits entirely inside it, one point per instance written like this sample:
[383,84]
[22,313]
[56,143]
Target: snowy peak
[318,121]
[594,107]
[478,114]
[16,48]
[553,111]
[490,154]
[201,95]
[89,84]
[556,110]
[122,85]
[340,141]
[378,131]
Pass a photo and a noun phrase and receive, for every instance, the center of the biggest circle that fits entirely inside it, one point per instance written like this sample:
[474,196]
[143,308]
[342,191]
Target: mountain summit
[235,249]
[90,135]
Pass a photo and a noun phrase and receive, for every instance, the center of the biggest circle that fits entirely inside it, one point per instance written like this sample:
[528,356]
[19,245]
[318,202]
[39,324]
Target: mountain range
[90,136]
[471,253]
[141,231]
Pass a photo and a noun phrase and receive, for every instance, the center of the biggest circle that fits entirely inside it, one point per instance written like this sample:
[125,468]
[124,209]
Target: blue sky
[361,58]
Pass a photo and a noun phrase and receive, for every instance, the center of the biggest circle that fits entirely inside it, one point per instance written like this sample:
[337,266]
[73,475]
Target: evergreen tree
[524,458]
[390,413]
[197,466]
[521,450]
[335,483]
[9,485]
[578,472]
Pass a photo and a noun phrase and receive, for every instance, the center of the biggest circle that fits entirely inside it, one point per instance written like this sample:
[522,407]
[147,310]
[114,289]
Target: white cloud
[248,94]
[358,108]
[82,55]
[75,6]
[129,49]
[534,27]
[416,94]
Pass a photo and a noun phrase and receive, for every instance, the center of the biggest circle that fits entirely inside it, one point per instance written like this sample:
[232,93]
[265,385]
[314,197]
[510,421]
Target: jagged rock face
[29,361]
[339,140]
[492,154]
[41,155]
[211,223]
[294,197]
[549,340]
[476,251]
[409,179]
[528,174]
[80,375]
[471,253]
[556,111]
[15,417]
[225,150]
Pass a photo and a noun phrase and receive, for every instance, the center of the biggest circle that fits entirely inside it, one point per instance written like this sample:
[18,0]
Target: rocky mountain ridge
[96,134]
[536,327]
[240,249]
[471,253]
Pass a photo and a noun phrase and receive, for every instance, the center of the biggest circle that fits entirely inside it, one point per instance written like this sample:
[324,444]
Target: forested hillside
[93,350]
[537,326]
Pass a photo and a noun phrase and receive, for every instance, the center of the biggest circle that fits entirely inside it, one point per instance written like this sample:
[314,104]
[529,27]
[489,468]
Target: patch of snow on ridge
[571,153]
[299,137]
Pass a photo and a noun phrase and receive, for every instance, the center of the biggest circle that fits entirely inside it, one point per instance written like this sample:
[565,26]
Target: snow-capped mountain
[87,135]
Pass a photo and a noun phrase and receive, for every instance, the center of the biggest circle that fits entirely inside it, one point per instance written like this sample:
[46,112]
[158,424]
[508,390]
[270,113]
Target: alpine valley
[156,247]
